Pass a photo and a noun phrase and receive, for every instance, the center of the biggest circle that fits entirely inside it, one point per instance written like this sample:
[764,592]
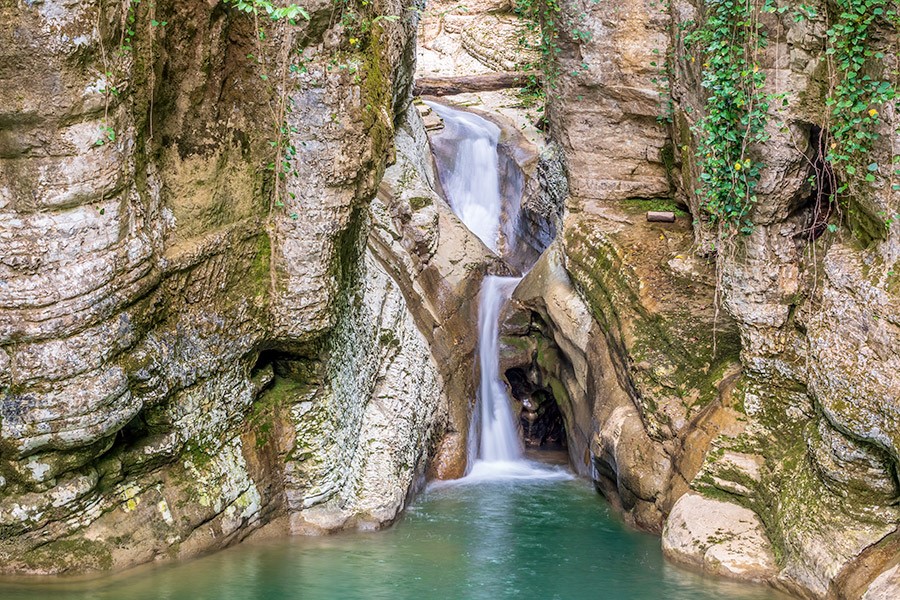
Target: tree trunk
[446,86]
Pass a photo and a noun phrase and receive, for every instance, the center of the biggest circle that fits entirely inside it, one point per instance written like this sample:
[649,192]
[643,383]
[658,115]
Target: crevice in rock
[817,206]
[539,417]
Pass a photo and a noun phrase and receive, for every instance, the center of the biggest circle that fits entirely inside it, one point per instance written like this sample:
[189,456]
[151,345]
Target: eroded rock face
[185,356]
[720,537]
[606,98]
[616,322]
[806,433]
[478,37]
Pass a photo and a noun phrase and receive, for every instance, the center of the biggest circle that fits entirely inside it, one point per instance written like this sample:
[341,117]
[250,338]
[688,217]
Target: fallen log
[489,82]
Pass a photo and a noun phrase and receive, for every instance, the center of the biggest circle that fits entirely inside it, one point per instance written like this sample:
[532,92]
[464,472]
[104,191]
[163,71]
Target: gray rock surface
[185,357]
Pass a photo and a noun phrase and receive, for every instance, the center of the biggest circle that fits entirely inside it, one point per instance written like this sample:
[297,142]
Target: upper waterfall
[471,179]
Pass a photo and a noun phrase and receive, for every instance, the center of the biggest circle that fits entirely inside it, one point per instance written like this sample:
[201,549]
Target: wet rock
[885,586]
[185,358]
[719,537]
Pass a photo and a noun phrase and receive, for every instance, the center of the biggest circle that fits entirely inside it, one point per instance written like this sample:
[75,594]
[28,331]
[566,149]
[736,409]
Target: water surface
[514,538]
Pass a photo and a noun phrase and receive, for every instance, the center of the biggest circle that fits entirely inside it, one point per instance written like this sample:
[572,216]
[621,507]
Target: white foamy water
[472,185]
[499,434]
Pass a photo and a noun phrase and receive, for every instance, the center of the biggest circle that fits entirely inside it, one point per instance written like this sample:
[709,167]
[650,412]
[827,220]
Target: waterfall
[470,176]
[499,434]
[468,165]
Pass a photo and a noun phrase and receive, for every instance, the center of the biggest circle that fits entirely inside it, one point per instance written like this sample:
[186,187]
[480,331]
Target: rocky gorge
[234,302]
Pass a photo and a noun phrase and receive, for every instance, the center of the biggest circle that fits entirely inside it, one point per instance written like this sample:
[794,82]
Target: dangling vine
[545,21]
[287,16]
[735,118]
[858,91]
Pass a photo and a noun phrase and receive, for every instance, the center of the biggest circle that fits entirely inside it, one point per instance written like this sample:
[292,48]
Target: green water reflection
[515,539]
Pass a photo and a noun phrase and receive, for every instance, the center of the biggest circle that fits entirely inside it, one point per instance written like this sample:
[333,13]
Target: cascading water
[498,440]
[469,176]
[471,179]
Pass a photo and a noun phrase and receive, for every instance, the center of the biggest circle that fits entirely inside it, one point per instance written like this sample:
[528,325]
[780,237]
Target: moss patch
[61,556]
[662,329]
[656,204]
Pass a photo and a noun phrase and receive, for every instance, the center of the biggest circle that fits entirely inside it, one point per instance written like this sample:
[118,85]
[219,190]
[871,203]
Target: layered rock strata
[768,385]
[187,354]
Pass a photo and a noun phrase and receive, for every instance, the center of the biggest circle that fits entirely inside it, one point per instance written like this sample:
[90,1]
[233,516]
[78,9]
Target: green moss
[8,454]
[667,356]
[268,408]
[377,95]
[64,555]
[387,339]
[349,245]
[866,228]
[259,269]
[656,204]
[419,202]
[197,454]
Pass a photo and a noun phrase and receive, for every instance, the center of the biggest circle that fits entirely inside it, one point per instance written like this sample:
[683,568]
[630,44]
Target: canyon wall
[229,297]
[740,395]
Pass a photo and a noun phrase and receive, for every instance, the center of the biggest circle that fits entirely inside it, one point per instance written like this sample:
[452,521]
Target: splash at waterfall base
[494,434]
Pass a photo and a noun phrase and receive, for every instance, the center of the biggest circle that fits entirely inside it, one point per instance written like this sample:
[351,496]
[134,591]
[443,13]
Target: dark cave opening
[817,206]
[540,419]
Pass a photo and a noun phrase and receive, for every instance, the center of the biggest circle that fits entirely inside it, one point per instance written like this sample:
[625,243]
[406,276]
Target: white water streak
[473,184]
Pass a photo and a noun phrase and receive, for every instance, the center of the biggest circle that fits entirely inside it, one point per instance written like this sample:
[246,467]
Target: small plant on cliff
[546,21]
[290,12]
[286,17]
[541,19]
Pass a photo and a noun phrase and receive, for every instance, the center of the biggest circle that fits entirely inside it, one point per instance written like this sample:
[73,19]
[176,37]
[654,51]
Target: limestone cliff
[759,377]
[208,322]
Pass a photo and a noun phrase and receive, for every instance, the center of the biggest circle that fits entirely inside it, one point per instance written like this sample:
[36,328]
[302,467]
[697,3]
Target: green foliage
[541,17]
[276,76]
[290,12]
[546,20]
[107,135]
[730,38]
[856,92]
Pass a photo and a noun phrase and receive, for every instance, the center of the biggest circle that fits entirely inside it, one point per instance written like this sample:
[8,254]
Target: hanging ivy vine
[546,21]
[729,39]
[858,88]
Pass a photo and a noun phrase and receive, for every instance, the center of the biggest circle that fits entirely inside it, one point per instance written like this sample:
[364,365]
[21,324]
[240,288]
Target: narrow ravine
[468,163]
[511,528]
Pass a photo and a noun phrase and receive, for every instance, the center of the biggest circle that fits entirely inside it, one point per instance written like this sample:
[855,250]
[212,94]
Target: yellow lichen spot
[163,507]
[130,498]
